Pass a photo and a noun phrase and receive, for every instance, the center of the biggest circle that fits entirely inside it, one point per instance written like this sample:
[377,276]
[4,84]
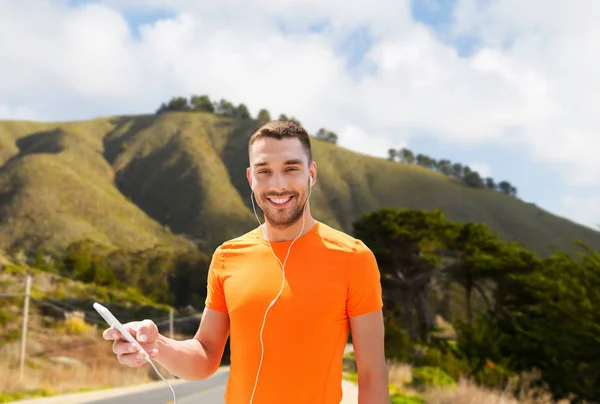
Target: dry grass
[63,379]
[59,363]
[467,392]
[399,373]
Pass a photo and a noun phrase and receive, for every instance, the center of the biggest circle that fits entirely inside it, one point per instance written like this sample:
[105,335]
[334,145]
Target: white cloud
[19,112]
[583,210]
[532,81]
[483,169]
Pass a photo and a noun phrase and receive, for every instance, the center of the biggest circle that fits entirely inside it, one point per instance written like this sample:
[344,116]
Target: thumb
[147,331]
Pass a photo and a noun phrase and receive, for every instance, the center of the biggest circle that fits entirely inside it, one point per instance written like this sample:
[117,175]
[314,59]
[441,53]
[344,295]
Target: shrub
[76,325]
[427,377]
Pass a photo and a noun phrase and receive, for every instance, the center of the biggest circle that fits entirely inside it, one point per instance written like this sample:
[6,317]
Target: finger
[121,347]
[153,353]
[131,359]
[147,331]
[113,334]
[108,334]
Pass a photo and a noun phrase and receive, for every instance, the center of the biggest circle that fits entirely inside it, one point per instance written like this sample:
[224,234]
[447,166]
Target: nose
[278,183]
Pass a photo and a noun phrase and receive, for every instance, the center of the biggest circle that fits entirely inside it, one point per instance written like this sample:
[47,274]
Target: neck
[277,234]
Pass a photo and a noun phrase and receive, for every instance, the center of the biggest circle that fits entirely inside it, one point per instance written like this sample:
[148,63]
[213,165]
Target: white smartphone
[113,322]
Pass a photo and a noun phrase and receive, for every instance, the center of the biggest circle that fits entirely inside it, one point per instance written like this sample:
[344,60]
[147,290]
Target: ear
[249,176]
[312,173]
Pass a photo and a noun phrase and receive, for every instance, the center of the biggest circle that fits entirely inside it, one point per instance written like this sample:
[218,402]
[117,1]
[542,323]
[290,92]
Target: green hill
[178,179]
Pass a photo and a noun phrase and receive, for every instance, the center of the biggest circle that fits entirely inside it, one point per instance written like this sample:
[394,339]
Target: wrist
[163,344]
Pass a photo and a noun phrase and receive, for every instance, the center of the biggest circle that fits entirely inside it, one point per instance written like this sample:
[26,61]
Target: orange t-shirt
[329,276]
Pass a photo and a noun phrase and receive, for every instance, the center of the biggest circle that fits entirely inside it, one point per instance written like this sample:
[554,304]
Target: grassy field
[179,178]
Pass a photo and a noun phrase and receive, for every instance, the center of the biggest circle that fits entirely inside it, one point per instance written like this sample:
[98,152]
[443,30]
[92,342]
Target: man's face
[279,174]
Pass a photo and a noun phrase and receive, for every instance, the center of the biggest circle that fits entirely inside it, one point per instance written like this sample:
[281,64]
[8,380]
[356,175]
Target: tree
[175,104]
[422,160]
[406,244]
[406,156]
[326,135]
[225,108]
[445,167]
[457,170]
[202,103]
[188,280]
[263,117]
[551,322]
[505,187]
[472,179]
[392,154]
[241,112]
[490,184]
[284,117]
[544,318]
[470,251]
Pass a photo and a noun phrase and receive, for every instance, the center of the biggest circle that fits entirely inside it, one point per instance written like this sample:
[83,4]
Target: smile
[280,202]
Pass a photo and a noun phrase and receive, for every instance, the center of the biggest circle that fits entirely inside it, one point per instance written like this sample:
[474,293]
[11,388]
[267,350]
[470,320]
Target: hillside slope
[135,181]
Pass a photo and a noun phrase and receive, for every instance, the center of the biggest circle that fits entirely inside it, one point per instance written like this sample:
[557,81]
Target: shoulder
[334,239]
[241,244]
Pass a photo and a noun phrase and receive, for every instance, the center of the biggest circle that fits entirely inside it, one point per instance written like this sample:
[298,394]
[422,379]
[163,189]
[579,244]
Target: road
[209,391]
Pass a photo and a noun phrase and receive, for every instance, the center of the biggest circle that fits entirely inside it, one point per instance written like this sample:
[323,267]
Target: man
[286,293]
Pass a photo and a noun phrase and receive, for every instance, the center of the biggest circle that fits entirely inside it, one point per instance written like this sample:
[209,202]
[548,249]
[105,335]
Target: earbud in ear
[311,181]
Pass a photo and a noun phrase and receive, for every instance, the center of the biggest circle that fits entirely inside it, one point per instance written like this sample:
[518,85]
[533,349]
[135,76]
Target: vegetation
[202,103]
[452,169]
[518,313]
[65,351]
[175,180]
[478,285]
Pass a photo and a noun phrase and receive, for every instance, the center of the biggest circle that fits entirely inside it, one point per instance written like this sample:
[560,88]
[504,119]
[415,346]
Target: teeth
[280,200]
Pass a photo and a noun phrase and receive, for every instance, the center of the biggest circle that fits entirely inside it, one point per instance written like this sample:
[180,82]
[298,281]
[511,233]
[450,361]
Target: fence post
[24,328]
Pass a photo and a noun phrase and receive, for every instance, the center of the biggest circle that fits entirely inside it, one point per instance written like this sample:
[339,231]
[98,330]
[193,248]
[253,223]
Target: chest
[310,287]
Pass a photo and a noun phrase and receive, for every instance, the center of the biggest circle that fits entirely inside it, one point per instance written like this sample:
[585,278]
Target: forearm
[373,389]
[187,359]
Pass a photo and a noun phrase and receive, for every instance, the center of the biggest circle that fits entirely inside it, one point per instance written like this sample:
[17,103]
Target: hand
[145,332]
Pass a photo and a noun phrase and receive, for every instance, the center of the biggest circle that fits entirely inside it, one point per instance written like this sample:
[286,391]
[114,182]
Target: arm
[199,357]
[368,341]
[365,305]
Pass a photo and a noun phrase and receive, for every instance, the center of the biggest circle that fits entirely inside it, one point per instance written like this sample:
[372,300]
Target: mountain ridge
[178,179]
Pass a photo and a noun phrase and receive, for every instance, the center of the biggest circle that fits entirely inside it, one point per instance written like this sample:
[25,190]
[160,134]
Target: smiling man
[287,293]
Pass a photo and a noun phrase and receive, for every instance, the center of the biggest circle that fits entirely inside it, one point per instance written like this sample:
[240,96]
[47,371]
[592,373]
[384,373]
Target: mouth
[280,202]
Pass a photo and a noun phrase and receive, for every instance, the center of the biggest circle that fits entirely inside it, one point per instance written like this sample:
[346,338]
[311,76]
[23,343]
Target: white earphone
[282,275]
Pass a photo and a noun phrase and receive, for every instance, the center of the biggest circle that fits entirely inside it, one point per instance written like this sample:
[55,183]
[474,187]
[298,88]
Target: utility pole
[171,315]
[24,328]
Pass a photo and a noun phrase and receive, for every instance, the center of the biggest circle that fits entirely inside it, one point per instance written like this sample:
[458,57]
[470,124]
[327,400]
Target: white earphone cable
[282,278]
[162,377]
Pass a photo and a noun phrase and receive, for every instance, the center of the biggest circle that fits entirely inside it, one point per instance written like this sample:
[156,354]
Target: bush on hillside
[427,377]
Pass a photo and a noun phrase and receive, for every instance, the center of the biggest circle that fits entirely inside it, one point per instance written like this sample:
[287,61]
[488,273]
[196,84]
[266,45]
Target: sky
[508,87]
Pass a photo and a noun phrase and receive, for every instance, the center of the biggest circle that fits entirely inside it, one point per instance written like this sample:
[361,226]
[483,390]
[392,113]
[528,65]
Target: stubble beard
[281,219]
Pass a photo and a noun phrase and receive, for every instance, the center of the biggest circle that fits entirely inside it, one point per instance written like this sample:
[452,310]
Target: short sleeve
[363,282]
[215,295]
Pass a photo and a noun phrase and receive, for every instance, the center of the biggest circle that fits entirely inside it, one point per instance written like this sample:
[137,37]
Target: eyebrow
[287,163]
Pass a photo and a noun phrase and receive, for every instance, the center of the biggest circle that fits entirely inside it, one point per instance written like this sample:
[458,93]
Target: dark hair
[280,129]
